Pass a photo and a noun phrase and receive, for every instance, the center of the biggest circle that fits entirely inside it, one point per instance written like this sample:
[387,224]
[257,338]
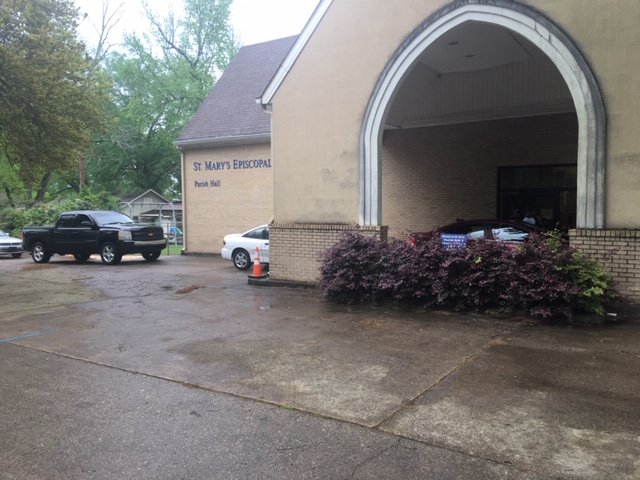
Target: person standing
[529,218]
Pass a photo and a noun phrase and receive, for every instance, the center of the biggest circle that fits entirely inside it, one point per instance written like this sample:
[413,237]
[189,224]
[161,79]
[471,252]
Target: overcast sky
[254,21]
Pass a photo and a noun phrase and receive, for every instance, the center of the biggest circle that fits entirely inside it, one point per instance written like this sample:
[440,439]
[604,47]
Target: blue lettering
[242,164]
[209,165]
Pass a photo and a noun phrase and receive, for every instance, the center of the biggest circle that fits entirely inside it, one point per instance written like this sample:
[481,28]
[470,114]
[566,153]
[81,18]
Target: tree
[49,98]
[10,182]
[159,82]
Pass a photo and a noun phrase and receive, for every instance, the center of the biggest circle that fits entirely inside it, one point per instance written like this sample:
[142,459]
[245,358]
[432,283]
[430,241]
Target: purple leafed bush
[541,276]
[353,269]
[476,277]
[537,281]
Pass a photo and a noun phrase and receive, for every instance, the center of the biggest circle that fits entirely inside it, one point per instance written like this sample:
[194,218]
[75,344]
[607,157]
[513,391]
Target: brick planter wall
[294,249]
[618,251]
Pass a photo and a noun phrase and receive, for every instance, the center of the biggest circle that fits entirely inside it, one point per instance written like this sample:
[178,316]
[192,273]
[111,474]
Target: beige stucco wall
[226,200]
[318,110]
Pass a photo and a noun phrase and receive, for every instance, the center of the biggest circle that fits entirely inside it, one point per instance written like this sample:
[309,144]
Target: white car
[10,245]
[504,234]
[240,248]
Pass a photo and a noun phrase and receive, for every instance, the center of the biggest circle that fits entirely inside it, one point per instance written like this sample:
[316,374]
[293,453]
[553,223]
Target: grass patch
[172,250]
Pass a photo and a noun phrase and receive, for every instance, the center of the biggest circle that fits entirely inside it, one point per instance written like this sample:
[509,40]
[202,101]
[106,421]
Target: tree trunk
[82,172]
[7,190]
[44,184]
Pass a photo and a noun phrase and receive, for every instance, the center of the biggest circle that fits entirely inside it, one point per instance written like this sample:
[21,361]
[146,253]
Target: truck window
[66,221]
[82,218]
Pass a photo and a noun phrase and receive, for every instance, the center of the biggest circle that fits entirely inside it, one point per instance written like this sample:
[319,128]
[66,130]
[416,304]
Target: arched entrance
[548,39]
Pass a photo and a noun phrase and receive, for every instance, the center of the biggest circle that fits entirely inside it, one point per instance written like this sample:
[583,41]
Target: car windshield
[111,218]
[3,234]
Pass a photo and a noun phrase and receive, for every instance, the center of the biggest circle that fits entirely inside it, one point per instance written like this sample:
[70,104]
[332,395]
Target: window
[66,221]
[261,233]
[546,191]
[82,218]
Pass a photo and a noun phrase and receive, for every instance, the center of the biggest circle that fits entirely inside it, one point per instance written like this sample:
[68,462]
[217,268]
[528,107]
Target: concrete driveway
[179,369]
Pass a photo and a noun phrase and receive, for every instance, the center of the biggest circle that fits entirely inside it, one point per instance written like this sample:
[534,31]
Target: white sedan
[240,248]
[10,245]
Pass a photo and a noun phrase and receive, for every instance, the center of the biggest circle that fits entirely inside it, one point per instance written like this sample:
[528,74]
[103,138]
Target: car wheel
[241,259]
[151,256]
[39,253]
[16,255]
[81,257]
[109,254]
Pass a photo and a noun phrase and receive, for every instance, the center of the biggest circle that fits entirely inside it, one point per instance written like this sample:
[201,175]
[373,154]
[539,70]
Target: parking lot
[178,369]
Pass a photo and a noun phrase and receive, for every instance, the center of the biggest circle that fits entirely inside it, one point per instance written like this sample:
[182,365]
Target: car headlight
[124,235]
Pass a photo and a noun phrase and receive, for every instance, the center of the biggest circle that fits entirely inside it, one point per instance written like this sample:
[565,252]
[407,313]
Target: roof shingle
[230,110]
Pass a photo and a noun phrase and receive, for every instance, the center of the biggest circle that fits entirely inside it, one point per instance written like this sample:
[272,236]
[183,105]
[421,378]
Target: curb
[265,281]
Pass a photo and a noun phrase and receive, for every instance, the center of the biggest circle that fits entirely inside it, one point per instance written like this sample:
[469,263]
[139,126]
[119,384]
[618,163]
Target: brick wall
[224,200]
[618,251]
[434,175]
[294,249]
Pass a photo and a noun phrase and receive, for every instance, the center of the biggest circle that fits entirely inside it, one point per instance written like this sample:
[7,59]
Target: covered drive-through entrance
[487,110]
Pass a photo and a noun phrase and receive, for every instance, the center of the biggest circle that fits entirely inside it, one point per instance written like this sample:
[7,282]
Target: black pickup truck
[83,233]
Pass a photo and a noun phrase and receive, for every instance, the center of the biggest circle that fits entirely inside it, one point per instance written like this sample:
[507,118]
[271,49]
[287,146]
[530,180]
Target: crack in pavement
[374,457]
[494,340]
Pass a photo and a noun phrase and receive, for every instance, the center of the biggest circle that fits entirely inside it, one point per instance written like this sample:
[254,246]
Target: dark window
[82,218]
[548,192]
[66,221]
[261,233]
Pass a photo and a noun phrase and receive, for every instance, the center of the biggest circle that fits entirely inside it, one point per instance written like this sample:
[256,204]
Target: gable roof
[294,52]
[147,192]
[231,112]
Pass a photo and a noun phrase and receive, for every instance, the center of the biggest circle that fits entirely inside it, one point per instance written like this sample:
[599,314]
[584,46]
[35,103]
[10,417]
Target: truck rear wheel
[109,254]
[81,257]
[151,256]
[39,253]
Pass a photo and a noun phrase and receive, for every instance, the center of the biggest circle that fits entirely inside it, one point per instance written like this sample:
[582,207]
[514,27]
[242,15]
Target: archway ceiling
[478,71]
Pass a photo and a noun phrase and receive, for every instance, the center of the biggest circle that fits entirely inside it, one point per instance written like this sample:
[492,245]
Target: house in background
[143,204]
[151,207]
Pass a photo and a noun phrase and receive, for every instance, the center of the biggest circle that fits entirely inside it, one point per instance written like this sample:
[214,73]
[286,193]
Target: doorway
[547,191]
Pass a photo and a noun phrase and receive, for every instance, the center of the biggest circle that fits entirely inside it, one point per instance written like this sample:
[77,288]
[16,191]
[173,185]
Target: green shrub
[592,282]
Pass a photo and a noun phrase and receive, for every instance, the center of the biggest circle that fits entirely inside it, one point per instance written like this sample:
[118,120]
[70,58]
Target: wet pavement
[179,369]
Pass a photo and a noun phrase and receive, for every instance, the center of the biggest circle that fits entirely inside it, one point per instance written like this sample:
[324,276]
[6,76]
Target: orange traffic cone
[257,268]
